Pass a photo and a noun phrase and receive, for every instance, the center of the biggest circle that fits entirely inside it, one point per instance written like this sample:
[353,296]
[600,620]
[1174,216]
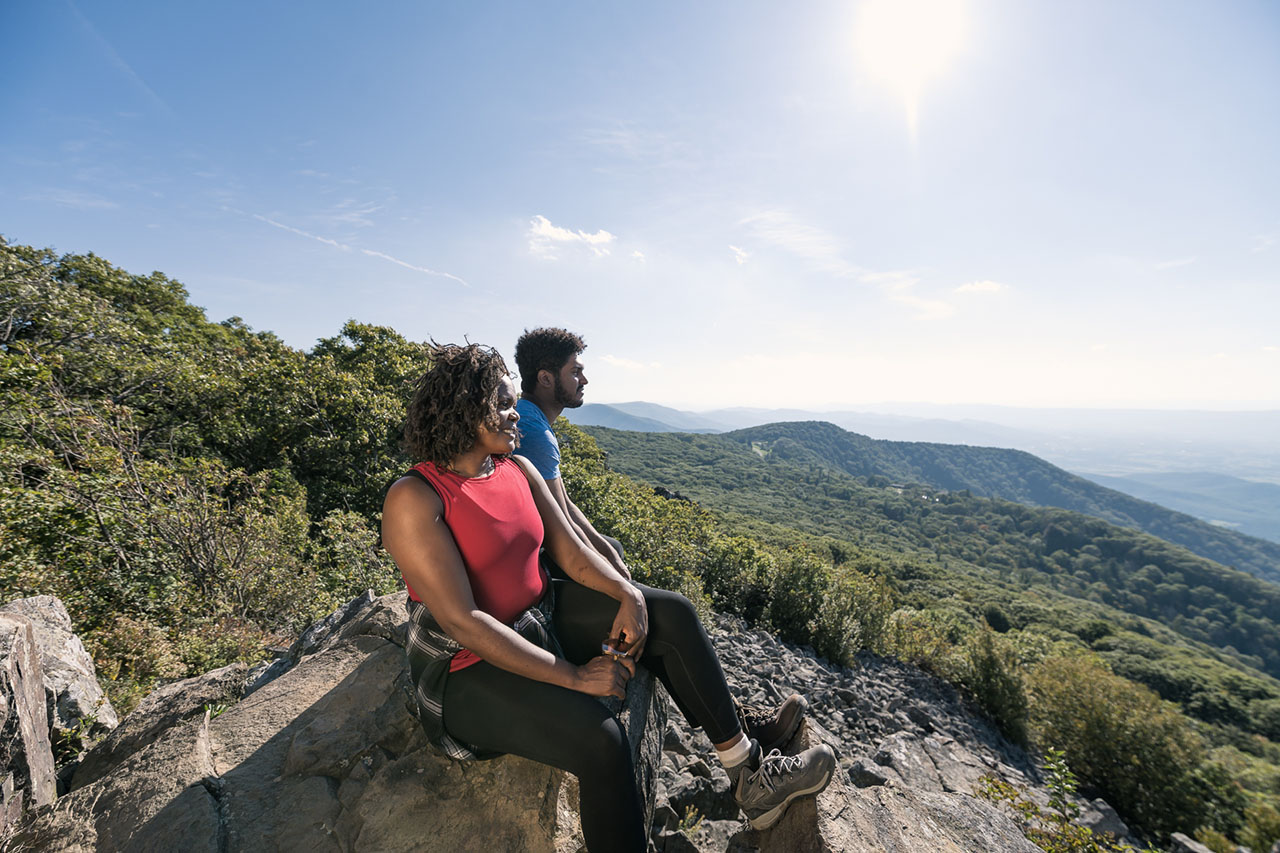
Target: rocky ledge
[319,750]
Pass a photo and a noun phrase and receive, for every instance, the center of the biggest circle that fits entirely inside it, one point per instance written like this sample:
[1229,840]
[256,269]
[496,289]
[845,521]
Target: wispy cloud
[327,241]
[629,363]
[352,212]
[818,247]
[1265,242]
[346,248]
[627,140]
[371,253]
[900,287]
[73,199]
[1174,264]
[118,61]
[546,240]
[824,252]
[638,255]
[739,255]
[984,286]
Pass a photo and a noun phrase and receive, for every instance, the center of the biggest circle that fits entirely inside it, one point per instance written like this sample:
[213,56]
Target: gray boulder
[1179,843]
[162,709]
[26,759]
[885,819]
[70,678]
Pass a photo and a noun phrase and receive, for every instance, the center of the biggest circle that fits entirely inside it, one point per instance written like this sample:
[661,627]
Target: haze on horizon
[737,204]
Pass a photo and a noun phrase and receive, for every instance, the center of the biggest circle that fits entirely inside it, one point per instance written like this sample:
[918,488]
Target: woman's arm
[587,567]
[415,534]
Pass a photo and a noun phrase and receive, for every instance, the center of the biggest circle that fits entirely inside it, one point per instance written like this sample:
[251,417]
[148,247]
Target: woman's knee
[603,752]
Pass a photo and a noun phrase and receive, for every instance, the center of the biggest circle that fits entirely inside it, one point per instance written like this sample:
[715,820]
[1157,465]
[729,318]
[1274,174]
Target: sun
[906,43]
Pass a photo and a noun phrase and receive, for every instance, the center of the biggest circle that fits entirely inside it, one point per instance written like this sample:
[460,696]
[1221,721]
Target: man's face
[570,380]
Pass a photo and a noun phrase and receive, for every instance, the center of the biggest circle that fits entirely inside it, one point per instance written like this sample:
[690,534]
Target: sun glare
[905,43]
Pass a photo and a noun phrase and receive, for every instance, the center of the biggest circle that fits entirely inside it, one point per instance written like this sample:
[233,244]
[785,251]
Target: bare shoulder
[409,495]
[527,467]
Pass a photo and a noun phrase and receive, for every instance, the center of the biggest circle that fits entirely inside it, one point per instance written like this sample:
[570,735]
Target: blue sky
[732,202]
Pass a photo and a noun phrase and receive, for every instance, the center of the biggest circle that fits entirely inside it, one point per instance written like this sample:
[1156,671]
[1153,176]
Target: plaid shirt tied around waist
[430,651]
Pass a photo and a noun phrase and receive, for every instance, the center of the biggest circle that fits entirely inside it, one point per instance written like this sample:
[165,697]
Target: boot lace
[775,766]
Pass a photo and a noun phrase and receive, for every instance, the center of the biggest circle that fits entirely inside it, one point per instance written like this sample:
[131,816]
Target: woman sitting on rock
[498,668]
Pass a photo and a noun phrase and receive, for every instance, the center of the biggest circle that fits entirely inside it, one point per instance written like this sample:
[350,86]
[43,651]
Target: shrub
[1262,827]
[989,670]
[1122,741]
[799,589]
[1053,830]
[854,614]
[738,575]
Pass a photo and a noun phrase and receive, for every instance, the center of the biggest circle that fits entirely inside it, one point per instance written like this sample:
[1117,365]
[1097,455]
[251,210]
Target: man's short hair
[544,349]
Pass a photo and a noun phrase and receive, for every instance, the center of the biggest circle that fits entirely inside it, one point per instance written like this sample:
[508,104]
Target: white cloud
[900,287]
[352,212]
[545,239]
[1174,264]
[1265,242]
[71,198]
[371,253]
[628,363]
[638,255]
[984,286]
[118,61]
[1270,348]
[344,247]
[819,247]
[739,255]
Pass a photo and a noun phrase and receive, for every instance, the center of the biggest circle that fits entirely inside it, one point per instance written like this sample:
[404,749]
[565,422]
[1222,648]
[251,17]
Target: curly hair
[544,349]
[453,399]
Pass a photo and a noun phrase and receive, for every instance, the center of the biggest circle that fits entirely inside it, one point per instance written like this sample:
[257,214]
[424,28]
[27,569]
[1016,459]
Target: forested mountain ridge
[1013,475]
[1077,555]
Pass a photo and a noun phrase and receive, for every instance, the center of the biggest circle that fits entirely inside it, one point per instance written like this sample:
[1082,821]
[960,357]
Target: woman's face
[505,438]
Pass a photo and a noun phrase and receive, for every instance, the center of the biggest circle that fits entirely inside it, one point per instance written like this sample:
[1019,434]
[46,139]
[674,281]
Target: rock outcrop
[910,752]
[75,700]
[26,760]
[324,754]
[319,750]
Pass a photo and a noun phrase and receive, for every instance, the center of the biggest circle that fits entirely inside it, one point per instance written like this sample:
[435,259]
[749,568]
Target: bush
[853,616]
[739,575]
[1123,742]
[799,590]
[989,670]
[1262,827]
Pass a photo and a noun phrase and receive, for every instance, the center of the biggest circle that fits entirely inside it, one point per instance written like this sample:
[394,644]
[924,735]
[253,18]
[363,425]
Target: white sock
[736,754]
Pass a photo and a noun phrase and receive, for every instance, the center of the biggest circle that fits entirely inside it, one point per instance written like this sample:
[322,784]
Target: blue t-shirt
[537,441]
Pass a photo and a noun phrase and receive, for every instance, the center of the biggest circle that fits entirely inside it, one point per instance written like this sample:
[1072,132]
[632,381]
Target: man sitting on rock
[552,380]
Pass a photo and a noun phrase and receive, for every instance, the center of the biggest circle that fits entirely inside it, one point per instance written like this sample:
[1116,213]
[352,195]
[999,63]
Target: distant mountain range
[1242,505]
[1011,475]
[1193,462]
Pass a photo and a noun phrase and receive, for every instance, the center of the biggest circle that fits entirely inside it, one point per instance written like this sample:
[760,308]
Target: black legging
[499,710]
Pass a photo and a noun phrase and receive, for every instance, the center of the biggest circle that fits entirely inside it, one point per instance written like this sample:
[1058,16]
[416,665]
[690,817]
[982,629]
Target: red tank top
[496,526]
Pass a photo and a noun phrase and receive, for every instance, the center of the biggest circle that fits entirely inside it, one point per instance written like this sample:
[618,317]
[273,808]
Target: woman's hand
[605,676]
[632,623]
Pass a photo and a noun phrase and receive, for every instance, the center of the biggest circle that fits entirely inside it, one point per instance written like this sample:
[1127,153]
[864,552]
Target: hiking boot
[773,729]
[765,785]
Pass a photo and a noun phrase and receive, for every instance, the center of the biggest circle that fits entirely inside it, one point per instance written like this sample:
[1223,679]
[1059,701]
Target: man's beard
[563,400]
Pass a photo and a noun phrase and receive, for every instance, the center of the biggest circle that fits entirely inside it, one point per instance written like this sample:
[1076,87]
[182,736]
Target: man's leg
[678,650]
